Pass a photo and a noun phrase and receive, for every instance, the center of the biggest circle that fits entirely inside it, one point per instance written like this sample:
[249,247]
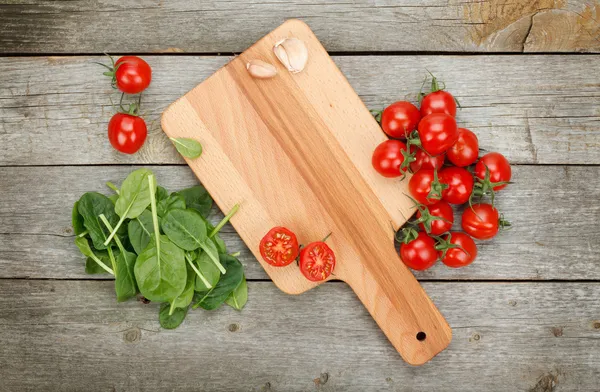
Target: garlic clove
[292,53]
[261,70]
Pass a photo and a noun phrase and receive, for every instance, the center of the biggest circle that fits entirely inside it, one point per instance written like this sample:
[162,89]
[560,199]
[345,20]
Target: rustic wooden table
[526,315]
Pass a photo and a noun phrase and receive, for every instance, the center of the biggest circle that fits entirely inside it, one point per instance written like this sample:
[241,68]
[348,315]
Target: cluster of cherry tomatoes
[279,247]
[447,169]
[127,131]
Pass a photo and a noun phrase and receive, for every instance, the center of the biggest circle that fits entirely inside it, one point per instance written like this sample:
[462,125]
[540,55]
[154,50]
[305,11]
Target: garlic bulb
[292,53]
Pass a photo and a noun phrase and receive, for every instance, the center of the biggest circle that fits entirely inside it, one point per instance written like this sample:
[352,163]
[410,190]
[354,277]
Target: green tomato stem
[226,219]
[202,278]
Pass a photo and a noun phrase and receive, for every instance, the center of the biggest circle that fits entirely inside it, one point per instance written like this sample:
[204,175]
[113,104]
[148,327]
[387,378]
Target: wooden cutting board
[295,151]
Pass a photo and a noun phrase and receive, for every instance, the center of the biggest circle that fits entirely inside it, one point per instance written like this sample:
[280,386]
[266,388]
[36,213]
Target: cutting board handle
[405,314]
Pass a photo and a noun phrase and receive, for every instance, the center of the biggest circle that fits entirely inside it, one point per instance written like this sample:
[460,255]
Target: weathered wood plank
[535,109]
[62,26]
[553,209]
[507,337]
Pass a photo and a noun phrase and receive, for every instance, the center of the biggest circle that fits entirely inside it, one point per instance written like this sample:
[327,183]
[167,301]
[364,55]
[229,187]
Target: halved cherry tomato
[420,253]
[463,254]
[388,158]
[466,149]
[127,132]
[481,221]
[425,187]
[317,261]
[133,75]
[459,184]
[279,247]
[445,220]
[400,119]
[425,161]
[498,167]
[438,132]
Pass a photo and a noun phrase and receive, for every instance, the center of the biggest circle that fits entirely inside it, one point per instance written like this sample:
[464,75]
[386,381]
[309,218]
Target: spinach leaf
[189,148]
[173,202]
[160,271]
[90,206]
[185,228]
[198,199]
[84,247]
[134,197]
[171,321]
[211,250]
[215,297]
[125,285]
[140,231]
[238,297]
[161,193]
[221,247]
[185,298]
[208,269]
[77,220]
[92,267]
[113,198]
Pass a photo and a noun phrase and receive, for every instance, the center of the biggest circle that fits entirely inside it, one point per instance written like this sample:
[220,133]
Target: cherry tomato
[317,261]
[481,221]
[461,256]
[133,75]
[498,166]
[421,184]
[438,102]
[279,247]
[388,157]
[466,149]
[127,133]
[425,161]
[459,182]
[400,119]
[438,132]
[443,210]
[420,253]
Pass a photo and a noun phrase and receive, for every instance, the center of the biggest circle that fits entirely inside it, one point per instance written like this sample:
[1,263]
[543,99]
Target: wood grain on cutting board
[295,151]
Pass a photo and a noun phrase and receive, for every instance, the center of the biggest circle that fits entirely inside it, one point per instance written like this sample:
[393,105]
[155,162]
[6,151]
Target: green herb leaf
[77,220]
[238,297]
[161,274]
[134,197]
[198,199]
[173,202]
[214,298]
[140,231]
[93,268]
[210,248]
[185,298]
[90,206]
[208,269]
[125,285]
[171,321]
[84,247]
[185,228]
[189,148]
[161,193]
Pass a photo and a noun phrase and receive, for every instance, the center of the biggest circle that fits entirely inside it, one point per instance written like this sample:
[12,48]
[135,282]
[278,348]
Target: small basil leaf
[238,297]
[185,228]
[141,231]
[198,199]
[189,148]
[171,321]
[214,298]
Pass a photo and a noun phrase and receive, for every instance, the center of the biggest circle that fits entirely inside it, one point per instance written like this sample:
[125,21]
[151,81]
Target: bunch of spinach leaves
[160,245]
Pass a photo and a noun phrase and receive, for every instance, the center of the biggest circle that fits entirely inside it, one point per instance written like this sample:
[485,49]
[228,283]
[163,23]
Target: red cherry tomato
[443,210]
[461,256]
[498,166]
[420,253]
[460,184]
[400,119]
[317,261]
[420,185]
[438,132]
[466,149]
[425,161]
[279,247]
[133,75]
[438,102]
[481,221]
[126,132]
[387,158]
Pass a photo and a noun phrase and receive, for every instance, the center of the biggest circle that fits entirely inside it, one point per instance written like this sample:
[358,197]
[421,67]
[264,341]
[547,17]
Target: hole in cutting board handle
[421,336]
